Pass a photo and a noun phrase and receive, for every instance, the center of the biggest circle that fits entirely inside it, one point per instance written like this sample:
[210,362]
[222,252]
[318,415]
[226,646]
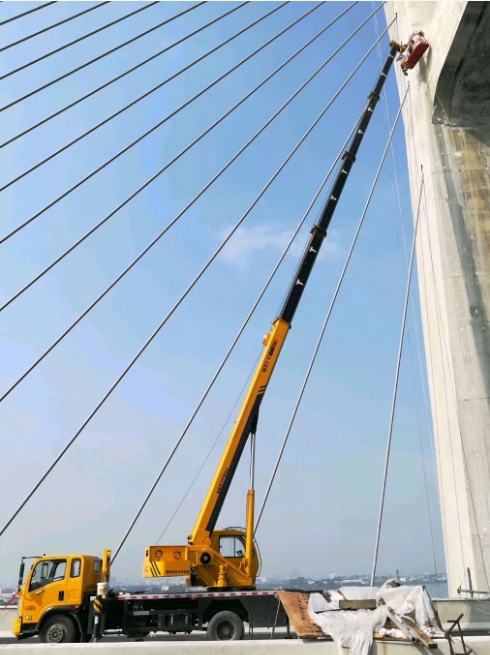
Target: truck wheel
[57,629]
[225,626]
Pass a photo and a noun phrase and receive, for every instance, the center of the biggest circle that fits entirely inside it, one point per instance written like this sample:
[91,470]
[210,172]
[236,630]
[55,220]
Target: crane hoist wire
[99,57]
[187,291]
[397,206]
[152,90]
[395,388]
[230,414]
[329,312]
[170,116]
[226,357]
[146,61]
[25,13]
[445,356]
[422,456]
[51,27]
[159,236]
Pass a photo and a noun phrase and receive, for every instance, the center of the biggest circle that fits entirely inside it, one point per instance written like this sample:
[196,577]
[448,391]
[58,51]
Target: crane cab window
[232,546]
[46,572]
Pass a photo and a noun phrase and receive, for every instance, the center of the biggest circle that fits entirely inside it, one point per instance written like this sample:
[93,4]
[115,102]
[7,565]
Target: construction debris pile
[354,616]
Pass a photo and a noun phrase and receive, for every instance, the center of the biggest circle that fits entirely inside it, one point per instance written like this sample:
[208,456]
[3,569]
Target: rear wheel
[225,626]
[57,629]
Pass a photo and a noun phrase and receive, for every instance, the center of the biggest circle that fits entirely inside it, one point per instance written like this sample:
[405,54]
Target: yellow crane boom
[228,558]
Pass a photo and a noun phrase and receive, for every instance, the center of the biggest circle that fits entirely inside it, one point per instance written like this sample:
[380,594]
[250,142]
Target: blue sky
[322,512]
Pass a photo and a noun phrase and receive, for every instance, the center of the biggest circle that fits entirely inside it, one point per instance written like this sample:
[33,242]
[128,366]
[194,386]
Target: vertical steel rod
[252,460]
[327,318]
[395,389]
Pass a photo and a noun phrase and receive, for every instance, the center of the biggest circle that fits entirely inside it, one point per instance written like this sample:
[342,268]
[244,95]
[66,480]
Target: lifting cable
[80,38]
[412,302]
[431,372]
[230,414]
[145,61]
[155,88]
[183,296]
[50,27]
[9,20]
[99,57]
[327,318]
[182,152]
[162,122]
[222,365]
[395,387]
[158,237]
[446,357]
[422,457]
[396,190]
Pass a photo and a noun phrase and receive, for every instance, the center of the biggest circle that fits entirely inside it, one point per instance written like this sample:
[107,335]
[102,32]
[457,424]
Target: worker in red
[412,51]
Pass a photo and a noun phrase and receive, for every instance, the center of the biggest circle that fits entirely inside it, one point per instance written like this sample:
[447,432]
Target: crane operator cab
[219,561]
[411,53]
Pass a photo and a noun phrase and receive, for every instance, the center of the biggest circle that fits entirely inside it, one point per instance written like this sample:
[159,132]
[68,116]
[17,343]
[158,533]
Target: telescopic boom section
[246,422]
[204,539]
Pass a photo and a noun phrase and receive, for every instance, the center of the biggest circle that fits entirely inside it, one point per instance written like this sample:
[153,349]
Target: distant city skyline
[162,582]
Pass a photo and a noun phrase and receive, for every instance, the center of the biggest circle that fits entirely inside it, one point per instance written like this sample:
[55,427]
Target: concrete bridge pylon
[447,130]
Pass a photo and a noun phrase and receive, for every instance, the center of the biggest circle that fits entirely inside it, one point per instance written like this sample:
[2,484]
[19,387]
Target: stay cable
[178,303]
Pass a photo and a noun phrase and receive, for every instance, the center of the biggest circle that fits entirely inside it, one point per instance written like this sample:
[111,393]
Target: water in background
[437,590]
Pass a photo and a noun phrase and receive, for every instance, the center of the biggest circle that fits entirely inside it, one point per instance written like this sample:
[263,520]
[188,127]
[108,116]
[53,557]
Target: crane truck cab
[55,596]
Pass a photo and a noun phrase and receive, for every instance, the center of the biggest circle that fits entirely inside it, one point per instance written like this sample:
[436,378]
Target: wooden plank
[365,604]
[379,637]
[295,604]
[420,634]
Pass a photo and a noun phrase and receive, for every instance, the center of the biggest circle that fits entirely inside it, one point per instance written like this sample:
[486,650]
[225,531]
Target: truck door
[47,588]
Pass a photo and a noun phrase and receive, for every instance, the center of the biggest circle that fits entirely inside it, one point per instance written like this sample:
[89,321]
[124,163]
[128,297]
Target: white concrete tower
[447,121]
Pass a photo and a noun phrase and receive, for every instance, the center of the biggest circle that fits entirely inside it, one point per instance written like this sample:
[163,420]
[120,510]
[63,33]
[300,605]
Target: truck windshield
[46,572]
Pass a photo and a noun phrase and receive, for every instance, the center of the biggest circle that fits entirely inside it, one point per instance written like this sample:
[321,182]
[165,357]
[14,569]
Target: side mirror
[21,574]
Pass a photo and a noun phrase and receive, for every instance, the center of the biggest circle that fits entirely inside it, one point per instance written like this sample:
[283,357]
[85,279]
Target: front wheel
[225,626]
[57,629]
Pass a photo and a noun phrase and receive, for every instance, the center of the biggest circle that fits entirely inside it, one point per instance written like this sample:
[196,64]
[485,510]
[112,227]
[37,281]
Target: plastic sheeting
[408,601]
[318,602]
[352,630]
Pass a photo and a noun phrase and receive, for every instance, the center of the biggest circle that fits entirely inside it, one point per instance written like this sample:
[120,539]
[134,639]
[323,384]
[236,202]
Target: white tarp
[318,602]
[408,601]
[354,629]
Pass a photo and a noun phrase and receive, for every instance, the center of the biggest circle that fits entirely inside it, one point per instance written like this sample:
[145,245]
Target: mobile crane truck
[66,598]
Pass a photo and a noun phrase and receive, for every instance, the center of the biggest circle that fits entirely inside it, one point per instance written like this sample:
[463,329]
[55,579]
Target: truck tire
[57,629]
[225,626]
